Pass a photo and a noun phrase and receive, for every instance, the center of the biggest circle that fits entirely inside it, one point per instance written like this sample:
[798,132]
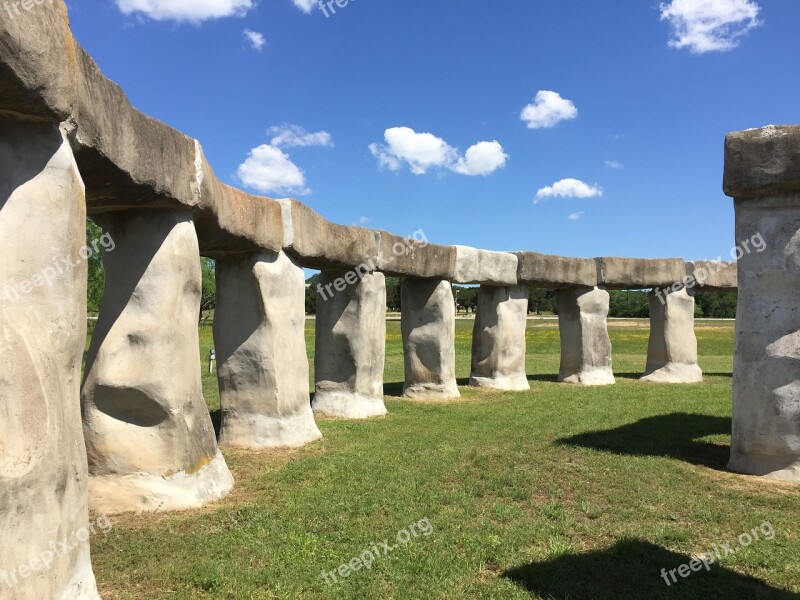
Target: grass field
[561,492]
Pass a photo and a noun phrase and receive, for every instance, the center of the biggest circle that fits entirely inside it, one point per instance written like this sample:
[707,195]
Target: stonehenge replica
[135,435]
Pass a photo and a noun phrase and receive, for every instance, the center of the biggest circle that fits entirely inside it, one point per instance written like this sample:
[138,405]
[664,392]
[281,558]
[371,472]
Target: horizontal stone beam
[485,268]
[712,276]
[412,257]
[762,162]
[548,271]
[638,273]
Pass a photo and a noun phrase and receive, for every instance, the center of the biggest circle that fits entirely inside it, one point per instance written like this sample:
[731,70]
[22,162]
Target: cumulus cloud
[615,164]
[193,11]
[256,39]
[576,216]
[425,151]
[269,170]
[305,5]
[709,25]
[568,188]
[291,136]
[548,110]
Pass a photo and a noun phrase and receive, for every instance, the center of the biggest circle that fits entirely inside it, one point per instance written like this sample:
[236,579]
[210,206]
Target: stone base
[674,373]
[518,383]
[82,585]
[253,431]
[146,492]
[590,378]
[347,405]
[431,391]
[783,468]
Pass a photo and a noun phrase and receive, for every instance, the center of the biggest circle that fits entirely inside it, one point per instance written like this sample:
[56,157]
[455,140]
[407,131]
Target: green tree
[541,300]
[717,306]
[97,275]
[311,294]
[393,288]
[629,304]
[208,298]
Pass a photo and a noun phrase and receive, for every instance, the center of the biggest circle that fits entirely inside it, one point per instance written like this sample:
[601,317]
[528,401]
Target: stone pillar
[350,345]
[149,436]
[498,338]
[262,364]
[762,173]
[585,345]
[672,351]
[43,475]
[429,332]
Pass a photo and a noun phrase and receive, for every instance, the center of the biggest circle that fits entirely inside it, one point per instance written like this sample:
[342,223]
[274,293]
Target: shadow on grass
[671,435]
[393,389]
[216,419]
[632,569]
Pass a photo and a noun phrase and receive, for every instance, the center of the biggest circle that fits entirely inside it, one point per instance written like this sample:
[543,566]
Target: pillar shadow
[672,435]
[633,569]
[393,389]
[216,420]
[546,377]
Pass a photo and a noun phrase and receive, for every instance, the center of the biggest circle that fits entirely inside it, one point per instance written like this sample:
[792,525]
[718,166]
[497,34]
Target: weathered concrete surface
[766,375]
[498,338]
[638,273]
[43,475]
[547,271]
[350,345]
[149,437]
[672,350]
[319,243]
[262,366]
[414,257]
[762,162]
[429,331]
[712,276]
[483,267]
[585,345]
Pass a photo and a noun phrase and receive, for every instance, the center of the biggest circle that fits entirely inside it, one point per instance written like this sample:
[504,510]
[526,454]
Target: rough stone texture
[429,331]
[766,372]
[585,345]
[712,276]
[414,257]
[319,243]
[762,162]
[149,436]
[350,345]
[262,366]
[672,350]
[498,338]
[43,476]
[547,271]
[485,268]
[635,273]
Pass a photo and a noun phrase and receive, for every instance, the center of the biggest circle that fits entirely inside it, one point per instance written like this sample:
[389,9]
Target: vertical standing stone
[429,333]
[149,436]
[498,338]
[762,173]
[672,350]
[43,475]
[350,345]
[585,345]
[263,371]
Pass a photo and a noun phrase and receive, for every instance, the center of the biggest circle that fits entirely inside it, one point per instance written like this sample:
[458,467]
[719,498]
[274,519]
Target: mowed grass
[560,492]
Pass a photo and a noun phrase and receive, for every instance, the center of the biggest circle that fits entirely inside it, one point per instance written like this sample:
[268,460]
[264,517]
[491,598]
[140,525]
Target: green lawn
[560,492]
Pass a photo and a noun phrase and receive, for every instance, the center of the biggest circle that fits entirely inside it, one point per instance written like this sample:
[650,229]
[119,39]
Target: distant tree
[466,298]
[311,294]
[541,300]
[629,304]
[717,306]
[208,298]
[393,288]
[97,275]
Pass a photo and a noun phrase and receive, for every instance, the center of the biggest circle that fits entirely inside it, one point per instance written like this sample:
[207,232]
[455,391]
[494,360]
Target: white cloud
[305,5]
[256,39]
[548,110]
[363,220]
[268,170]
[425,151]
[483,158]
[615,164]
[291,136]
[194,11]
[569,188]
[576,216]
[709,25]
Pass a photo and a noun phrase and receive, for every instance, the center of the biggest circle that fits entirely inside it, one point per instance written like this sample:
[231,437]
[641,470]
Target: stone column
[262,364]
[672,350]
[350,345]
[498,338]
[149,436]
[429,332]
[43,475]
[585,345]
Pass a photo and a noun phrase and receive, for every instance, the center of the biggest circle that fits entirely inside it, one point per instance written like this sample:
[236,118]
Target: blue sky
[640,99]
